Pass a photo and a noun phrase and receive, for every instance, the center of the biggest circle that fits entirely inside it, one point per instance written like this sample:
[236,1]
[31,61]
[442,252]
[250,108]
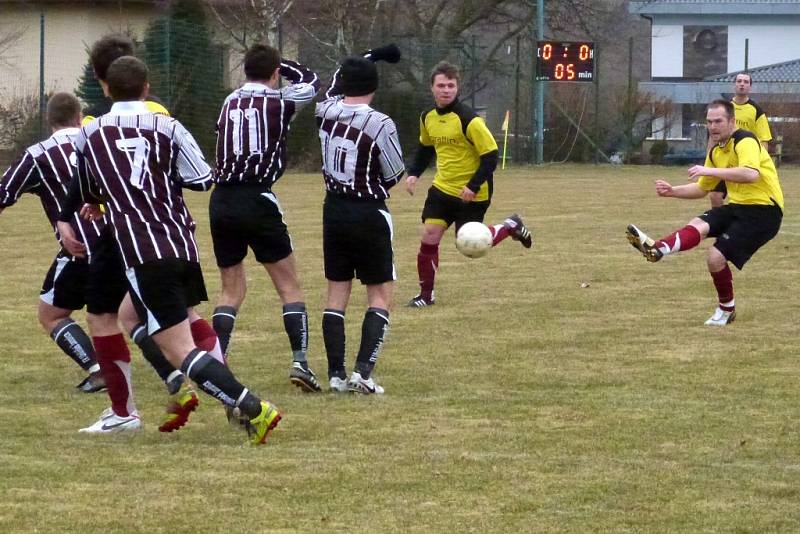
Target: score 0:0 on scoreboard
[560,61]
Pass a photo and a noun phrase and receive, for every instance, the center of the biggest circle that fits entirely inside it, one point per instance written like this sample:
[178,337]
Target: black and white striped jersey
[253,125]
[46,170]
[361,154]
[137,163]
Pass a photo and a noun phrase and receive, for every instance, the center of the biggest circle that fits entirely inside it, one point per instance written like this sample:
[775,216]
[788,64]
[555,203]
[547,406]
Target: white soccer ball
[474,240]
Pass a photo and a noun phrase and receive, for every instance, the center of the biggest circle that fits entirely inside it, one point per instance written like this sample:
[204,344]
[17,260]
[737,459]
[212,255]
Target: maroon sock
[684,239]
[427,265]
[115,366]
[499,232]
[723,281]
[205,338]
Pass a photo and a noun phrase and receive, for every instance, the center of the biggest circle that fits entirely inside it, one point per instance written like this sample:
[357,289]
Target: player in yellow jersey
[749,117]
[751,218]
[466,156]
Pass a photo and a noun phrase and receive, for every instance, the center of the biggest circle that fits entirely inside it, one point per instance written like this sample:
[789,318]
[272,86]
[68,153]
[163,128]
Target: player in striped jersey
[45,169]
[138,163]
[361,161]
[244,211]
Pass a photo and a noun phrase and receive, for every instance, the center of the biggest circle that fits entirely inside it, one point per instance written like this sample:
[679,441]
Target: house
[697,47]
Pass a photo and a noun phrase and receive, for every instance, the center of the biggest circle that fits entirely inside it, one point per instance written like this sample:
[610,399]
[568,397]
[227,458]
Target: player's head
[261,63]
[721,120]
[742,84]
[358,76]
[127,79]
[106,50]
[63,111]
[444,83]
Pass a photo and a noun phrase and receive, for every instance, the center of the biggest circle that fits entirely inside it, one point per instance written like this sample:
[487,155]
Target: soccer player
[45,169]
[138,162]
[466,156]
[750,219]
[749,117]
[361,161]
[244,211]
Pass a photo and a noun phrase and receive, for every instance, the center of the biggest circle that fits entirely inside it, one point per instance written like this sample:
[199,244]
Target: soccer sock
[206,339]
[723,281]
[115,366]
[218,381]
[427,265]
[152,353]
[295,322]
[223,319]
[72,339]
[684,239]
[373,333]
[499,232]
[333,335]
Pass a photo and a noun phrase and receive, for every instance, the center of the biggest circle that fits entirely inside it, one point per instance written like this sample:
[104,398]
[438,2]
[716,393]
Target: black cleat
[304,378]
[94,383]
[420,302]
[519,232]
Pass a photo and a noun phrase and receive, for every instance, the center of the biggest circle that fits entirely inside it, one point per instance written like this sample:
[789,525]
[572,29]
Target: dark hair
[726,104]
[449,70]
[749,77]
[106,50]
[127,78]
[63,109]
[260,61]
[357,76]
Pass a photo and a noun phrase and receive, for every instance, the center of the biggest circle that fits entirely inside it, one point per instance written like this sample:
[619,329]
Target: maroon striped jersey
[46,170]
[137,162]
[361,154]
[253,125]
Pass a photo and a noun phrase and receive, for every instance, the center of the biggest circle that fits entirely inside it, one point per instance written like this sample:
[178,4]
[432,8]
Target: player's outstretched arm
[665,189]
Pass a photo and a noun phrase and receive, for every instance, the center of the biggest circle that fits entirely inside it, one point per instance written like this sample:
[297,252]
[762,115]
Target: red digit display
[565,61]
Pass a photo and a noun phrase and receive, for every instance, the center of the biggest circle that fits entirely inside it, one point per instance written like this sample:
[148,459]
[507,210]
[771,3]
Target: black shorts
[64,285]
[450,209]
[247,215]
[106,284]
[357,240]
[722,187]
[742,229]
[163,290]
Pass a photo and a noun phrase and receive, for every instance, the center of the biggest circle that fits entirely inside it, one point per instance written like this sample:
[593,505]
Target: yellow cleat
[179,407]
[259,427]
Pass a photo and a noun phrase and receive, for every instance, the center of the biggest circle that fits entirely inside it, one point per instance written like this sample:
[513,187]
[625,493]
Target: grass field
[571,388]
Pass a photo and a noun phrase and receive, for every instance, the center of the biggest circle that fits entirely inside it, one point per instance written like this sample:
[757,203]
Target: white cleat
[643,244]
[721,317]
[338,385]
[110,423]
[364,386]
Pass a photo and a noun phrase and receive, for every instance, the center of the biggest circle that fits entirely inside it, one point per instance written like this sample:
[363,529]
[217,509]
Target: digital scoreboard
[558,61]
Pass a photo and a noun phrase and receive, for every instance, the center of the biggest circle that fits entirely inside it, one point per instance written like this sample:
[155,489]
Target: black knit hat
[358,76]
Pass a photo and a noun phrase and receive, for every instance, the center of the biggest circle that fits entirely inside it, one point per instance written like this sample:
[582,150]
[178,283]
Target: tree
[247,22]
[89,90]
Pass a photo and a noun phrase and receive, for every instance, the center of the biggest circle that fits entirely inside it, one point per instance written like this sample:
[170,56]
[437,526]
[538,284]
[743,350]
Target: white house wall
[768,45]
[667,51]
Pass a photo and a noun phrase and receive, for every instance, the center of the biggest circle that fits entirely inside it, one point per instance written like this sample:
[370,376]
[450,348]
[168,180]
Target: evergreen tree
[89,90]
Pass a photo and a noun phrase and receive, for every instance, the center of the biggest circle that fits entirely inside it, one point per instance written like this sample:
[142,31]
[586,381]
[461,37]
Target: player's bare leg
[428,262]
[333,333]
[234,289]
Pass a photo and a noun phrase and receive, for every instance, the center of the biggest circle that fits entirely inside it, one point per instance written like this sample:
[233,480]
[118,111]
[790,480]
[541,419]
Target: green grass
[524,401]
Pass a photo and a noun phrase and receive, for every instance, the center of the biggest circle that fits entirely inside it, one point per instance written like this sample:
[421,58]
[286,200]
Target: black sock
[295,322]
[152,353]
[333,335]
[218,381]
[223,320]
[70,337]
[373,332]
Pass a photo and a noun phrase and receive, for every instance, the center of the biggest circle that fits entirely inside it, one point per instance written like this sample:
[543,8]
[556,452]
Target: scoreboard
[558,61]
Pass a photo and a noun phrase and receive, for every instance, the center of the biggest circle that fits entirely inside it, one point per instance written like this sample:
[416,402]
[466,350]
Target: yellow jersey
[459,137]
[750,117]
[744,150]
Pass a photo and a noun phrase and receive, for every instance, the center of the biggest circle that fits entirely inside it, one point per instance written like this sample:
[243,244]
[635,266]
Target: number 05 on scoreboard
[558,61]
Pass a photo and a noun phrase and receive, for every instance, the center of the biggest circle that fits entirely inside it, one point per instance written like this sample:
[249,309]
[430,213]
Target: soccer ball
[474,240]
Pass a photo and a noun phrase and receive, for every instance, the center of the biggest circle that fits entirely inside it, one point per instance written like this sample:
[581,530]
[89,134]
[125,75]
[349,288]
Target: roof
[715,7]
[786,72]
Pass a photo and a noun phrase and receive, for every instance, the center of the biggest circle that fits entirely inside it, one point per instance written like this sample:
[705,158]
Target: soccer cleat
[721,317]
[420,302]
[93,383]
[643,244]
[179,407]
[338,385]
[111,423]
[304,378]
[259,427]
[365,386]
[518,230]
